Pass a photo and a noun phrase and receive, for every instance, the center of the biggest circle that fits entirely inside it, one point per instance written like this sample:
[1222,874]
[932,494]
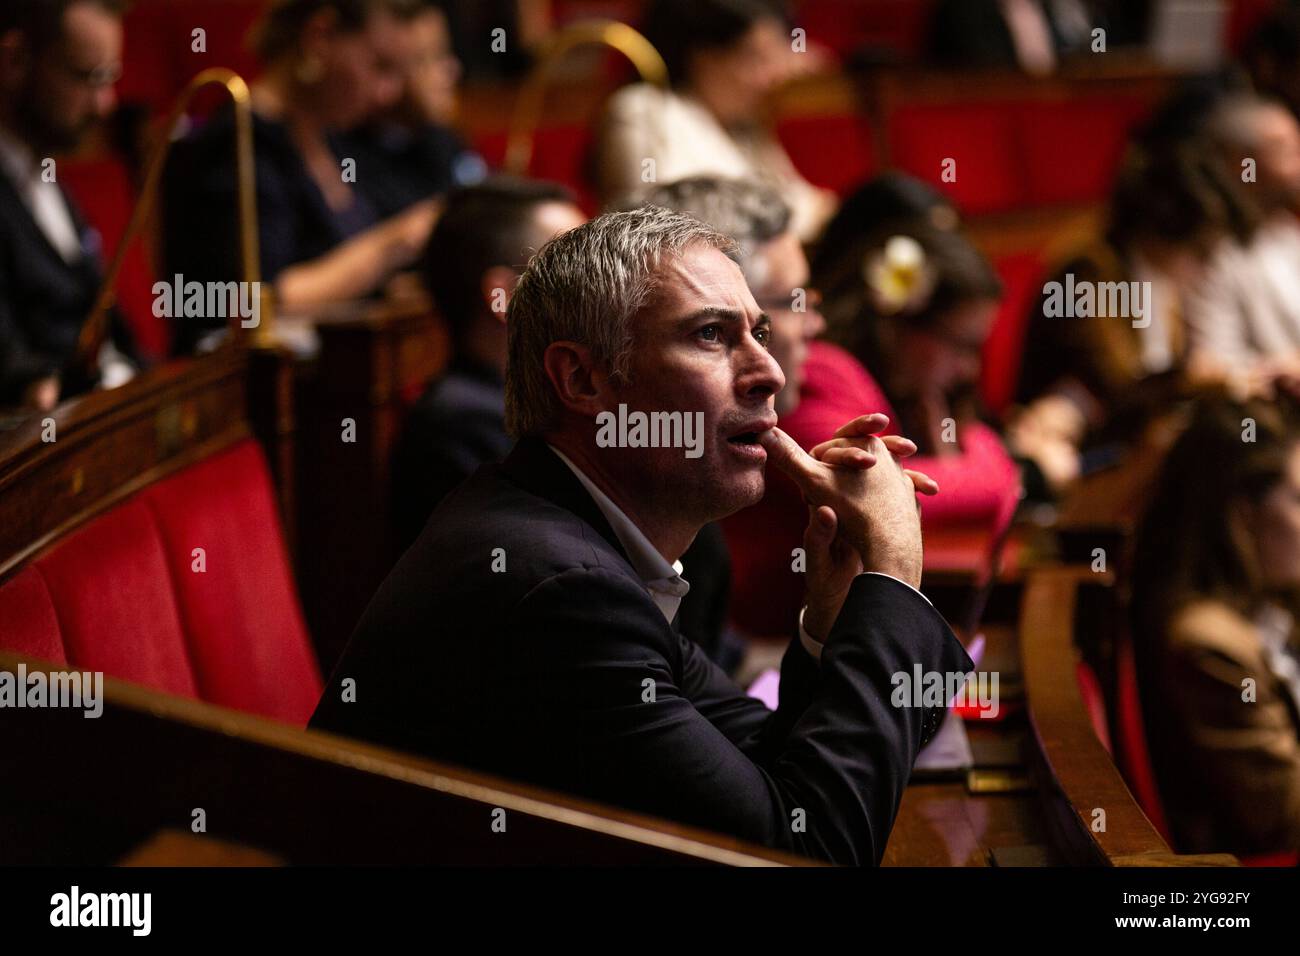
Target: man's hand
[862,517]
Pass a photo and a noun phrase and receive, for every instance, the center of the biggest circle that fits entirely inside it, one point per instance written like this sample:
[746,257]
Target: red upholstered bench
[183,587]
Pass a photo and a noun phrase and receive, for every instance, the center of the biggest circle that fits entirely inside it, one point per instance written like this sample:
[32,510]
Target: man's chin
[742,492]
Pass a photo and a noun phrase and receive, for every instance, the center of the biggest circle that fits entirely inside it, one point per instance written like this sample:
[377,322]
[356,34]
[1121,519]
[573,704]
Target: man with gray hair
[771,258]
[529,631]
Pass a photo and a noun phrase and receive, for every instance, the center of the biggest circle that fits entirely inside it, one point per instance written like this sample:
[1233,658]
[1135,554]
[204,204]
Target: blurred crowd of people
[878,303]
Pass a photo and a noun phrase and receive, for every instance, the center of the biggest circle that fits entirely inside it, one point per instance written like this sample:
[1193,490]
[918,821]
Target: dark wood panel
[373,360]
[1076,774]
[96,789]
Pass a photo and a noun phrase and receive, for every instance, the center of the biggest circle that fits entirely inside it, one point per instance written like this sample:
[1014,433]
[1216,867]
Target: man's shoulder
[519,538]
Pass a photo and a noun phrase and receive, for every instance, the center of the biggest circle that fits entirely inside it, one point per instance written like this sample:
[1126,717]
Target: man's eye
[709,333]
[764,336]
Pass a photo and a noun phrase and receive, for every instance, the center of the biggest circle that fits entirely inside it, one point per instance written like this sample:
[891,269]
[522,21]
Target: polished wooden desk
[990,815]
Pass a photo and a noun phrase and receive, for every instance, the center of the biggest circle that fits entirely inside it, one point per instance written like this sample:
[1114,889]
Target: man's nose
[759,373]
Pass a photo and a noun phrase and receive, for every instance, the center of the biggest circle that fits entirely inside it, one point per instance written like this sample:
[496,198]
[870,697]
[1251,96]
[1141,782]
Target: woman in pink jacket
[908,309]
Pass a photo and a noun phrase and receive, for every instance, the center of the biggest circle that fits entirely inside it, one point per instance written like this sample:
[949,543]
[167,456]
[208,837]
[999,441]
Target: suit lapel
[533,466]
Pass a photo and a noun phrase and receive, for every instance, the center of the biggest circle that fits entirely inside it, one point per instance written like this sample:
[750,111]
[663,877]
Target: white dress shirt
[1247,306]
[644,122]
[49,210]
[44,200]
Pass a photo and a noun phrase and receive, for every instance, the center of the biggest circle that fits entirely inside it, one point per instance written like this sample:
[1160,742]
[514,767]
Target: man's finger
[899,446]
[922,482]
[863,425]
[784,452]
[866,444]
[847,457]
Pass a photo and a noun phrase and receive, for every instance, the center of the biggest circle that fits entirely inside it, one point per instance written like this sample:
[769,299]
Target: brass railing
[528,108]
[96,327]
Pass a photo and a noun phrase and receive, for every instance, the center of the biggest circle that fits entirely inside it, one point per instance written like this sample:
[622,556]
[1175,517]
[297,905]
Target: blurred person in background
[724,57]
[908,308]
[474,258]
[776,271]
[59,60]
[1271,56]
[412,152]
[1030,34]
[1243,316]
[1215,586]
[1088,384]
[330,66]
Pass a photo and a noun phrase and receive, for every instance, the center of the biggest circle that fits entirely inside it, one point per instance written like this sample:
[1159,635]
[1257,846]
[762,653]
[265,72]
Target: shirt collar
[664,581]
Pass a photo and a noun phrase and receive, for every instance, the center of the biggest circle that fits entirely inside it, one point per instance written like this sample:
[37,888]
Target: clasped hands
[862,511]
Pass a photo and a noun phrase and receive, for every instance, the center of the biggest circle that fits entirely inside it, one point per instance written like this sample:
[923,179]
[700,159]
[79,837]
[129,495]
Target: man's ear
[579,384]
[495,286]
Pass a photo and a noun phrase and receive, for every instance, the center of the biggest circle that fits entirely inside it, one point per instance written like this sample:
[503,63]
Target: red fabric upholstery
[980,137]
[1070,150]
[1021,273]
[241,614]
[808,140]
[1135,760]
[159,58]
[560,154]
[1094,702]
[110,585]
[103,192]
[28,623]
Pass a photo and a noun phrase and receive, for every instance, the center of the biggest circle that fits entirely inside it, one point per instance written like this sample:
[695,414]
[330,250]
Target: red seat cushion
[28,624]
[1071,149]
[847,165]
[110,584]
[1135,759]
[981,138]
[104,194]
[1094,702]
[241,615]
[1021,273]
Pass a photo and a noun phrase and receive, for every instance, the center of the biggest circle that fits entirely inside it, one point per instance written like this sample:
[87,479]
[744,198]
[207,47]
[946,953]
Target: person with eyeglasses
[59,60]
[908,306]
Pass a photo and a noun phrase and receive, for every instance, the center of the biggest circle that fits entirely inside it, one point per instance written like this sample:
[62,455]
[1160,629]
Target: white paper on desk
[949,749]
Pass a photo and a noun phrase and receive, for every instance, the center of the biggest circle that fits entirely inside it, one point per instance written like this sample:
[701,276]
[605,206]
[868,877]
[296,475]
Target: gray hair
[1230,123]
[585,286]
[749,212]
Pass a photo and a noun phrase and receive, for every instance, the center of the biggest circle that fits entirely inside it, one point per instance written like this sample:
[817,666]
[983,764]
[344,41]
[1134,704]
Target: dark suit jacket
[459,423]
[44,301]
[561,671]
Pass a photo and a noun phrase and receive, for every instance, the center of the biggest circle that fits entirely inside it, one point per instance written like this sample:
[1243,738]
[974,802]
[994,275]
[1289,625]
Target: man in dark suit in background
[478,248]
[58,62]
[528,632]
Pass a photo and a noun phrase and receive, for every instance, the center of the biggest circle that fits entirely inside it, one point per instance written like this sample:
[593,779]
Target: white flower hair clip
[898,275]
